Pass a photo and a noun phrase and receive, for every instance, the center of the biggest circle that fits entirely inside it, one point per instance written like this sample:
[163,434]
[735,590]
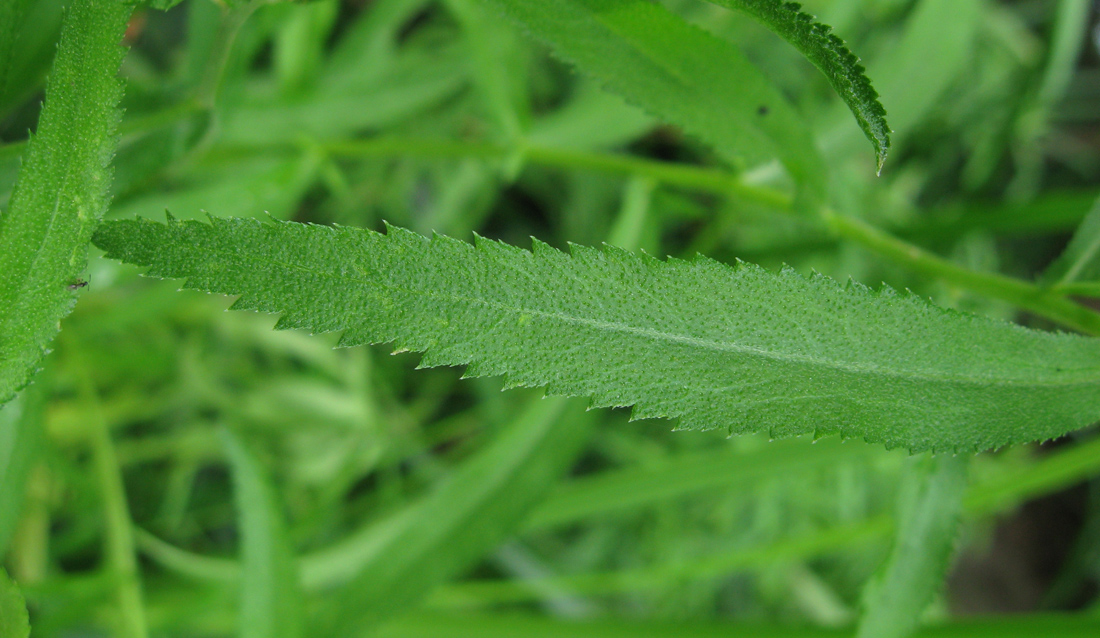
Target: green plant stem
[707,180]
[1021,294]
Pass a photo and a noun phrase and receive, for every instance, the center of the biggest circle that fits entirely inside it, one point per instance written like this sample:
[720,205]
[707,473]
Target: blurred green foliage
[441,116]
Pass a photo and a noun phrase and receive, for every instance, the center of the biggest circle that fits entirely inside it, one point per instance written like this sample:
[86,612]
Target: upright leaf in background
[62,189]
[831,56]
[28,42]
[935,50]
[12,13]
[720,347]
[270,600]
[1080,261]
[680,73]
[463,518]
[14,622]
[929,508]
[21,431]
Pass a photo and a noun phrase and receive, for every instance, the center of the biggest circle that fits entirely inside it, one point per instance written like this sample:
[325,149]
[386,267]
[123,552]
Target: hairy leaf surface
[62,189]
[739,348]
[680,73]
[831,56]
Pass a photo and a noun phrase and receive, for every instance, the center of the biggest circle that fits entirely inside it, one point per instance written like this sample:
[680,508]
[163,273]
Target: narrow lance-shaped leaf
[738,348]
[461,519]
[270,600]
[831,56]
[1081,259]
[62,189]
[679,73]
[21,426]
[929,506]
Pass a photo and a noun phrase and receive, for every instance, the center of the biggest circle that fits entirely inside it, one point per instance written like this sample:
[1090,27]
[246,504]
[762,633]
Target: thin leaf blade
[930,511]
[831,56]
[1080,261]
[463,517]
[739,348]
[270,601]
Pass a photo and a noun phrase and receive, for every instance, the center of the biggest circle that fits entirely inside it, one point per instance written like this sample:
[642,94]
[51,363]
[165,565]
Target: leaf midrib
[707,344]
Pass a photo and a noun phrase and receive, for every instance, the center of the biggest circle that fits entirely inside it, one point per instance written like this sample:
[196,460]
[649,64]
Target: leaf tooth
[479,368]
[618,254]
[498,250]
[543,250]
[646,410]
[513,380]
[399,238]
[436,356]
[586,255]
[293,321]
[600,400]
[359,334]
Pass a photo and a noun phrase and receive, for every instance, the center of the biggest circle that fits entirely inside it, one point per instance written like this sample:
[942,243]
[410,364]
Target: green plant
[361,487]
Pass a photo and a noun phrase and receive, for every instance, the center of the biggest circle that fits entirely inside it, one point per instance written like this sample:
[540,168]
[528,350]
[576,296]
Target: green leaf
[62,189]
[163,5]
[1080,261]
[528,625]
[936,48]
[14,621]
[831,56]
[21,432]
[930,505]
[270,601]
[621,490]
[28,41]
[12,14]
[461,519]
[679,73]
[738,348]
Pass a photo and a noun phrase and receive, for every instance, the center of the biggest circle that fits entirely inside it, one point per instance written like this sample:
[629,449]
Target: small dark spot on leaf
[78,284]
[763,110]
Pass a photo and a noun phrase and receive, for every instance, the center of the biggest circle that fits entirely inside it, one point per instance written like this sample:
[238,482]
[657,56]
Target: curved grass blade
[738,348]
[463,518]
[930,506]
[270,601]
[1080,262]
[656,60]
[21,435]
[62,189]
[831,56]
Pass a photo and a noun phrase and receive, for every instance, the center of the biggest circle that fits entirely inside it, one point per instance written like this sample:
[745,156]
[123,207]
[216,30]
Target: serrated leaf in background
[831,56]
[682,74]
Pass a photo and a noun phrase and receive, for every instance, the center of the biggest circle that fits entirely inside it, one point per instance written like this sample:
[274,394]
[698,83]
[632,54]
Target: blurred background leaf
[399,110]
